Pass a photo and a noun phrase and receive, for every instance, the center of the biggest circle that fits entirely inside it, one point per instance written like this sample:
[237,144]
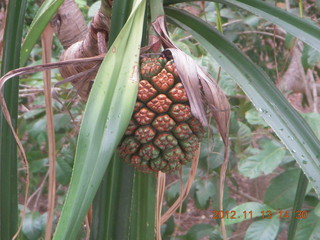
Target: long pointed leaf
[40,21]
[106,117]
[287,123]
[113,199]
[8,146]
[305,30]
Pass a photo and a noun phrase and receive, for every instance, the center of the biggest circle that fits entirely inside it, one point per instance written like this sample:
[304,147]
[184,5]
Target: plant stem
[8,149]
[156,8]
[301,8]
[218,18]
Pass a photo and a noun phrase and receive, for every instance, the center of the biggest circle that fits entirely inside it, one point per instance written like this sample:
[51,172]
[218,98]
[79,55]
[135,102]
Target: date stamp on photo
[283,214]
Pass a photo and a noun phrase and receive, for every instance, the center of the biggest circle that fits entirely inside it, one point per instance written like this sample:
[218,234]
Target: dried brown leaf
[206,98]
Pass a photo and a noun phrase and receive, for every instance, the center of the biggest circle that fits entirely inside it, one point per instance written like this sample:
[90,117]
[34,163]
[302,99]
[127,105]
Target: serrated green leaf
[247,211]
[200,231]
[61,121]
[33,113]
[172,194]
[38,165]
[38,127]
[253,117]
[308,228]
[167,229]
[313,119]
[33,226]
[227,84]
[266,229]
[204,191]
[211,159]
[310,57]
[265,162]
[63,171]
[244,135]
[282,189]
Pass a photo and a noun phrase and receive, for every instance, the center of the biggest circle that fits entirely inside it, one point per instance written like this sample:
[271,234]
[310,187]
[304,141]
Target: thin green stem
[301,8]
[218,18]
[156,8]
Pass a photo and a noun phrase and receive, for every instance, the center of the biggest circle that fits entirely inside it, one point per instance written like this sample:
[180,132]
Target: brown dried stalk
[46,41]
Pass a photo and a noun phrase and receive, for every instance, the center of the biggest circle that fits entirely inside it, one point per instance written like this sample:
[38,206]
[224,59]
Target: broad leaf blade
[264,162]
[266,229]
[282,190]
[247,211]
[287,123]
[106,117]
[308,227]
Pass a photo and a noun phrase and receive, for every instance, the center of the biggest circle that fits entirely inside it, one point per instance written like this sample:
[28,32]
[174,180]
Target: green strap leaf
[305,30]
[8,148]
[106,117]
[40,21]
[287,123]
[298,202]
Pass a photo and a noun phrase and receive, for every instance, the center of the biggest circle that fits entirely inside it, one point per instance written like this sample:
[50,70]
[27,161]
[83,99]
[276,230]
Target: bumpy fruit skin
[162,134]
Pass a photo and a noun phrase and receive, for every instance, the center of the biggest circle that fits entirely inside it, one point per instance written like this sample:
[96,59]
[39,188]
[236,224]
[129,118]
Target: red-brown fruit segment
[171,67]
[163,123]
[149,151]
[158,164]
[178,93]
[182,131]
[171,166]
[165,141]
[146,91]
[180,112]
[162,60]
[191,144]
[135,160]
[173,155]
[189,156]
[128,147]
[144,116]
[138,106]
[145,134]
[140,164]
[160,103]
[163,81]
[196,127]
[149,67]
[131,128]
